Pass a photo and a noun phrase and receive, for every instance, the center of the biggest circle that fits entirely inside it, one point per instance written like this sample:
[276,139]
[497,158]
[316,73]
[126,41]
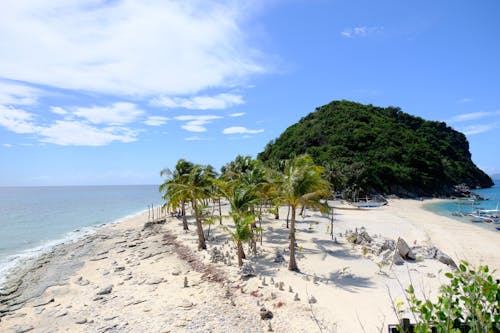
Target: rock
[186,304]
[397,259]
[22,328]
[176,272]
[445,259]
[155,281]
[81,321]
[278,258]
[42,302]
[404,250]
[265,314]
[62,313]
[246,270]
[120,269]
[105,291]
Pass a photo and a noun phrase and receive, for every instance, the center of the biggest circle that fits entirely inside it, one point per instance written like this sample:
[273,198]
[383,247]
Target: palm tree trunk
[184,218]
[292,265]
[220,213]
[288,217]
[302,211]
[199,228]
[241,254]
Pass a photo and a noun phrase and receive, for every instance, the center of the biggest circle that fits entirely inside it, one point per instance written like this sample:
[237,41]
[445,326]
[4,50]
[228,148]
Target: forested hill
[371,149]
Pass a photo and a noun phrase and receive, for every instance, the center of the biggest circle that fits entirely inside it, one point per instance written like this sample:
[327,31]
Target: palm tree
[302,185]
[242,200]
[174,195]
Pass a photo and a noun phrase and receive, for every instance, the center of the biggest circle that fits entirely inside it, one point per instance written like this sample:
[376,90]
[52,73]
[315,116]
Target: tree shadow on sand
[324,246]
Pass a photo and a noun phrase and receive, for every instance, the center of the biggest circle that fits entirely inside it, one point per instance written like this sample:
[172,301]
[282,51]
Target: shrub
[469,303]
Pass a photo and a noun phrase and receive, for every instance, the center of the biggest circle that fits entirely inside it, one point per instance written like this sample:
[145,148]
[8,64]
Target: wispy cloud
[220,101]
[240,130]
[238,114]
[196,123]
[143,48]
[473,116]
[116,114]
[196,138]
[17,94]
[478,129]
[58,110]
[7,145]
[74,133]
[464,100]
[360,31]
[16,120]
[156,121]
[63,132]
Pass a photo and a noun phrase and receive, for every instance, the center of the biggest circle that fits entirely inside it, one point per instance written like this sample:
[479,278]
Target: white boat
[368,204]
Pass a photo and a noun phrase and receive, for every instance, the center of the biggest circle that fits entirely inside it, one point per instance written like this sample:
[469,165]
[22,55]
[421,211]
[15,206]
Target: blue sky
[111,92]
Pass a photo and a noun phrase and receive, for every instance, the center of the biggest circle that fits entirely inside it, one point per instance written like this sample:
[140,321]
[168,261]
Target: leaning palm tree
[174,195]
[302,185]
[242,233]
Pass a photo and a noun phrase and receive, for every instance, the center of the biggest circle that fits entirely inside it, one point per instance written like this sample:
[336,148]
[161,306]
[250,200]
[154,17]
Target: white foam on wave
[8,264]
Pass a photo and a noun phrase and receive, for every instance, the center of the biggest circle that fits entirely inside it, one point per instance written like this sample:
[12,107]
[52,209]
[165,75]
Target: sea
[450,207]
[35,219]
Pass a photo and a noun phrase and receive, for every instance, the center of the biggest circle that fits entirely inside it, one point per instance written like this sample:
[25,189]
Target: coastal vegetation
[367,149]
[247,185]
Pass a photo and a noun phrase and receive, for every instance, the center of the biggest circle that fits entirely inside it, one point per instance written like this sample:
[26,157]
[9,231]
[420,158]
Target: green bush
[469,303]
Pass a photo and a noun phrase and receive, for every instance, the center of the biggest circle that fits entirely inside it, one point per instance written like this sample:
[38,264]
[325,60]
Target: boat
[368,204]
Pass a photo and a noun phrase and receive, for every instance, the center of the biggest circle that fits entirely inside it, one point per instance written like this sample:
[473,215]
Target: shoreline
[62,290]
[15,262]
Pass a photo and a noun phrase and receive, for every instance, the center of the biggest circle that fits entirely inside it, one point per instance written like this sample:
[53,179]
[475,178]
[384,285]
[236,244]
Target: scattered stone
[176,272]
[109,318]
[105,291]
[290,289]
[246,270]
[155,281]
[98,258]
[431,275]
[22,328]
[281,286]
[296,297]
[81,321]
[42,302]
[186,282]
[186,304]
[313,300]
[265,314]
[269,328]
[119,269]
[62,313]
[278,257]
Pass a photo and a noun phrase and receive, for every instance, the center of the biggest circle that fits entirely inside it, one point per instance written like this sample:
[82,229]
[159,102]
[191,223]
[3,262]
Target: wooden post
[405,325]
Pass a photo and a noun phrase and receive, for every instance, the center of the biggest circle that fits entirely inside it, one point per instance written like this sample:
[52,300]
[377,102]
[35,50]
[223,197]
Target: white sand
[352,296]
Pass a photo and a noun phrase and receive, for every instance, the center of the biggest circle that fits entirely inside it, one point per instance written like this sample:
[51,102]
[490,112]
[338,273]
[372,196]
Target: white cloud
[63,132]
[117,113]
[478,129]
[7,145]
[473,116]
[17,121]
[196,123]
[361,31]
[239,114]
[156,120]
[17,94]
[74,133]
[143,48]
[241,130]
[220,101]
[58,110]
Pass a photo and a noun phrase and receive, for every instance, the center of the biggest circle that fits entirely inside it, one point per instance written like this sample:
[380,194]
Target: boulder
[445,259]
[404,250]
[397,259]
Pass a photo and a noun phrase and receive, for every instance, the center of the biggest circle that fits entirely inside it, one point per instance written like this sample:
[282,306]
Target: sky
[96,92]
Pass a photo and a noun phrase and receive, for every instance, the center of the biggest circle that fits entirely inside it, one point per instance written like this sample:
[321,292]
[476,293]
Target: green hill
[371,149]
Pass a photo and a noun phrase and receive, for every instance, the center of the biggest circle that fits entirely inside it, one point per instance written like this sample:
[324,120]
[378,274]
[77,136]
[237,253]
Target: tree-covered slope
[380,150]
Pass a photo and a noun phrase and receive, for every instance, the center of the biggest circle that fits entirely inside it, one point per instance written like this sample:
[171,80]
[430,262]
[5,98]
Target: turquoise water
[449,207]
[33,219]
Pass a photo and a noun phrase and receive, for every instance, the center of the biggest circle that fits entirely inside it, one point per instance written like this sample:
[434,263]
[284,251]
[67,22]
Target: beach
[128,277]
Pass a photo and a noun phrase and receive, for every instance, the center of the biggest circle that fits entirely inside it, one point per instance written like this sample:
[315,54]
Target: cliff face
[381,150]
